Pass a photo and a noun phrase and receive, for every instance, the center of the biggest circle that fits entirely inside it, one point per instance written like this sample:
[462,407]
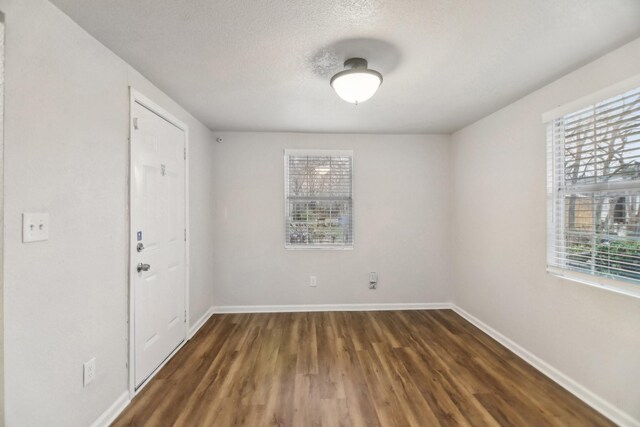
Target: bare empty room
[320,213]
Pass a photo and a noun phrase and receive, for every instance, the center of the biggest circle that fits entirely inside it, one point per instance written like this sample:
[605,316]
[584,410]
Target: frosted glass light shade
[357,84]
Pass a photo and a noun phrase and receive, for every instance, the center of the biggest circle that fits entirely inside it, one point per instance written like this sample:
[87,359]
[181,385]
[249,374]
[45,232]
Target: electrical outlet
[312,281]
[89,371]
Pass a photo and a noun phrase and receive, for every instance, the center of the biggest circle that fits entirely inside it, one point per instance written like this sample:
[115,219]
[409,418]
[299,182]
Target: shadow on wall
[382,56]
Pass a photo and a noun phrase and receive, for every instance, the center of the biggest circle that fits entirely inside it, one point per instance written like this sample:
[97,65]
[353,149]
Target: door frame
[137,97]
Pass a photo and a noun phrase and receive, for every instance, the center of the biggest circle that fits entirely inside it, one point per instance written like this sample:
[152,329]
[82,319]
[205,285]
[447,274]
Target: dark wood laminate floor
[401,368]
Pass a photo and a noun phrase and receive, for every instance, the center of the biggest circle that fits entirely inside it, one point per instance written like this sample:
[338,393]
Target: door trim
[137,97]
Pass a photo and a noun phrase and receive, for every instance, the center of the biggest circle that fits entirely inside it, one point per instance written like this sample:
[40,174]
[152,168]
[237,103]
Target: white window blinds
[318,199]
[594,189]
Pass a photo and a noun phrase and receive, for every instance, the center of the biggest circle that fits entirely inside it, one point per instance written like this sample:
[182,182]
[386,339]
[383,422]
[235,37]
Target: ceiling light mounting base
[356,64]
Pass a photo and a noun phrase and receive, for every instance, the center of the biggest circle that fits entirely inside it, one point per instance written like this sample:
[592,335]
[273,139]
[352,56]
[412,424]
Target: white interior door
[158,244]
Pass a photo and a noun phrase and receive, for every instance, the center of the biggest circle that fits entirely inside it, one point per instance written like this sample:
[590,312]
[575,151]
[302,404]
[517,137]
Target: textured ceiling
[264,65]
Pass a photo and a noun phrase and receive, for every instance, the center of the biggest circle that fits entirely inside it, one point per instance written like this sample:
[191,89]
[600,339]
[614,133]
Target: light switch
[35,227]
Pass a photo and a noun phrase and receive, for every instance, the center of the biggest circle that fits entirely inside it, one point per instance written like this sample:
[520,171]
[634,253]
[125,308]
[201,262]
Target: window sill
[611,285]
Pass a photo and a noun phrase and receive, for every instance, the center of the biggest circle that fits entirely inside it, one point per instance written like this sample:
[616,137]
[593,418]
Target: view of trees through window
[597,188]
[318,200]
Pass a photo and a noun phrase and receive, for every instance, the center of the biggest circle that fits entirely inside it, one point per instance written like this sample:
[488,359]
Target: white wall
[498,207]
[1,217]
[401,219]
[66,153]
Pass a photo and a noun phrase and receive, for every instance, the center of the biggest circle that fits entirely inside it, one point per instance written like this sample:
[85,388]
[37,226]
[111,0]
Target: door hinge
[185,234]
[185,316]
[185,154]
[135,123]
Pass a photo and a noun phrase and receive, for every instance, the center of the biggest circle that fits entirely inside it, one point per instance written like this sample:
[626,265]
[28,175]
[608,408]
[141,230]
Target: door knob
[143,267]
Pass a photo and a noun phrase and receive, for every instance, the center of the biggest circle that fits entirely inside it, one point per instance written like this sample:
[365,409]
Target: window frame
[629,287]
[320,153]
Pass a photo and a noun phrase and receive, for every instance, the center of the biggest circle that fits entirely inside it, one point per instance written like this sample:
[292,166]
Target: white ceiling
[264,65]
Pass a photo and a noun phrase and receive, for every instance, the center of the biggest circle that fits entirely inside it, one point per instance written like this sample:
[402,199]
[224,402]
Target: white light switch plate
[35,227]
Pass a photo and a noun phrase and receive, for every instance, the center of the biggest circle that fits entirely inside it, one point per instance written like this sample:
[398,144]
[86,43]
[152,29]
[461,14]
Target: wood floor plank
[386,405]
[411,368]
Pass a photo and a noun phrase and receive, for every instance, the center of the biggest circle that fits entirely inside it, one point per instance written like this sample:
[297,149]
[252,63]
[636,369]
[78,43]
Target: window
[318,199]
[594,189]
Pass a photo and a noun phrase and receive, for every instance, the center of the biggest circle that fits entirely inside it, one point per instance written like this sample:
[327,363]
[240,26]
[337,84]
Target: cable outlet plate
[373,280]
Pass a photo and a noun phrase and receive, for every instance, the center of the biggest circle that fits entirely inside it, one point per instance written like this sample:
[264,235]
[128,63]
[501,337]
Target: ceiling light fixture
[357,83]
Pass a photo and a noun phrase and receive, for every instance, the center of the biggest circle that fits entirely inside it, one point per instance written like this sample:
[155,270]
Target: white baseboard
[113,411]
[587,396]
[196,326]
[329,307]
